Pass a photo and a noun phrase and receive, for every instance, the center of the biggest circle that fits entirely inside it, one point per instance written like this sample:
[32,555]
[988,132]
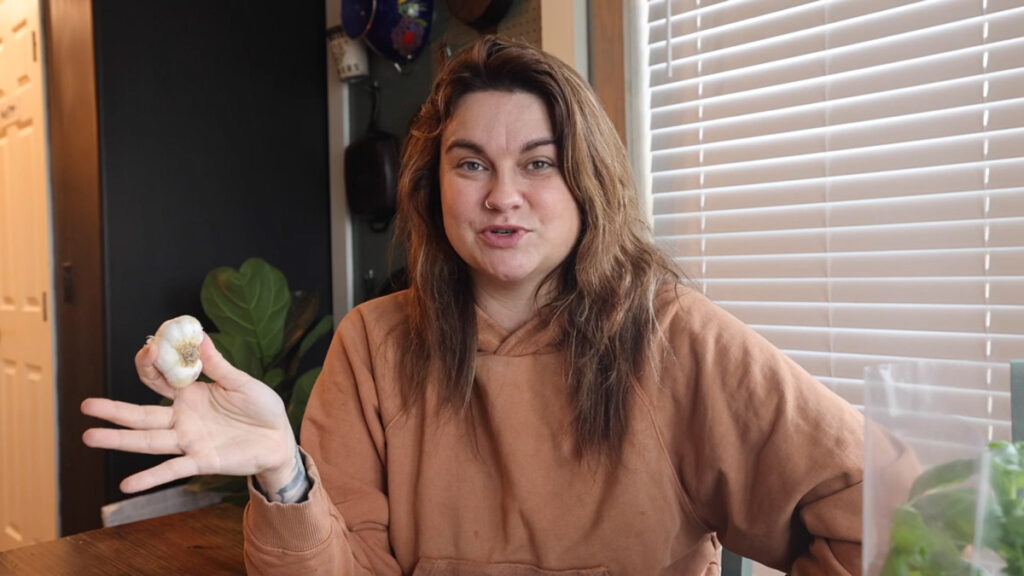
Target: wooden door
[28,493]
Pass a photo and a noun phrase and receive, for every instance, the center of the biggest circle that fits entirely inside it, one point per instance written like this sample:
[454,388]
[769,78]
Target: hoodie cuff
[294,527]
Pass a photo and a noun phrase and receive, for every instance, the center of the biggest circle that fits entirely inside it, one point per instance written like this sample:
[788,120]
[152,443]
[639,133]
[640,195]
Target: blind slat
[1005,320]
[919,236]
[935,209]
[780,15]
[847,178]
[970,262]
[725,95]
[799,82]
[749,138]
[1002,174]
[909,343]
[850,367]
[937,179]
[1002,291]
[733,169]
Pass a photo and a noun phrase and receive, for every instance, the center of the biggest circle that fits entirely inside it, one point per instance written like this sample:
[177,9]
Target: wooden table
[206,541]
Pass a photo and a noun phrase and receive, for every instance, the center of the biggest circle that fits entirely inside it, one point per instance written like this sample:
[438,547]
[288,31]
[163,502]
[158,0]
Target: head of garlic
[178,343]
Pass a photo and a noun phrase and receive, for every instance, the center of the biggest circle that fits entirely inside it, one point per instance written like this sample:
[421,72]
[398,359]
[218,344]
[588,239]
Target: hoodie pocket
[444,567]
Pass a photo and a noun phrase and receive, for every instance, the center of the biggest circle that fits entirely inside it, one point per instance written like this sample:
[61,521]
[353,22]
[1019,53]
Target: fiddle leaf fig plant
[263,328]
[935,532]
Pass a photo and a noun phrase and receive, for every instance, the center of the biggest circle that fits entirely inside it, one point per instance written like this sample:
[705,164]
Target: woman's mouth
[502,236]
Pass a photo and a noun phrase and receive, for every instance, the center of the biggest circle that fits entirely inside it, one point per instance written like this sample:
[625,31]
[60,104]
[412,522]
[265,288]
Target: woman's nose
[505,193]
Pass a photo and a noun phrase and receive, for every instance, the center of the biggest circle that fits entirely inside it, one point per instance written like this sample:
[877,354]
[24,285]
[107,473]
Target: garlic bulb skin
[178,343]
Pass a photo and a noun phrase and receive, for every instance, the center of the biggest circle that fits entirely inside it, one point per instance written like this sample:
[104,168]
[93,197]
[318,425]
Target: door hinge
[68,281]
[44,306]
[35,58]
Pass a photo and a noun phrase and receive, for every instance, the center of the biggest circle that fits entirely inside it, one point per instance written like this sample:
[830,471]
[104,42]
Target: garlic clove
[178,343]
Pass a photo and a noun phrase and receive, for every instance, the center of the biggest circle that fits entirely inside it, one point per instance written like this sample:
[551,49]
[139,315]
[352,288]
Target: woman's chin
[507,279]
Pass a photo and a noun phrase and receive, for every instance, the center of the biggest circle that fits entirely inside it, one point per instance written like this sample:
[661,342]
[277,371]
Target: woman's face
[507,210]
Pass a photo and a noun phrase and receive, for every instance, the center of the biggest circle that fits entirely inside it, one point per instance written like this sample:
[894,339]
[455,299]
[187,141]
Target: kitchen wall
[559,27]
[213,148]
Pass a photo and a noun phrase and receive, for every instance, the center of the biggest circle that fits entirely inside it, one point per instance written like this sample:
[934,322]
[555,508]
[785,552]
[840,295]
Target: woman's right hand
[235,425]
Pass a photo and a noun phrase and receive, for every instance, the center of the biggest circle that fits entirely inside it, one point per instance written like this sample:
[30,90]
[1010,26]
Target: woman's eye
[540,164]
[471,165]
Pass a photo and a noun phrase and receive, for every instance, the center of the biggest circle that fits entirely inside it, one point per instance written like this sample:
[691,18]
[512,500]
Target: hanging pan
[371,172]
[481,15]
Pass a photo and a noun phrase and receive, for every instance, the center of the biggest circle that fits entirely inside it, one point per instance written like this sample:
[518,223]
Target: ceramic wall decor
[400,29]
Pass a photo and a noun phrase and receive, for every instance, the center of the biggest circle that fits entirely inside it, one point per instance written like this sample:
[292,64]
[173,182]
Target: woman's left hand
[235,425]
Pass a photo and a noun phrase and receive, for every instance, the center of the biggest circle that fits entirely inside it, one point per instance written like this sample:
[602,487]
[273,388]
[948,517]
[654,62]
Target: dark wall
[213,148]
[402,92]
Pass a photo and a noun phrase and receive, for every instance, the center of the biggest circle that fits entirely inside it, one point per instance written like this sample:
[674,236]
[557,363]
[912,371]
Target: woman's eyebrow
[538,143]
[478,149]
[467,144]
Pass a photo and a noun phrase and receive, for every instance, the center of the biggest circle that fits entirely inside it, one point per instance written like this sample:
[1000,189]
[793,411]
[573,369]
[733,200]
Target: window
[847,177]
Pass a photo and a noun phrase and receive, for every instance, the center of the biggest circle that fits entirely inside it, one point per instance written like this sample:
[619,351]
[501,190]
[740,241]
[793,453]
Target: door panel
[28,494]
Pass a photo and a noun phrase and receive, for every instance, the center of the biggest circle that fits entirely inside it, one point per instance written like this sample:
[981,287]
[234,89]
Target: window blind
[847,177]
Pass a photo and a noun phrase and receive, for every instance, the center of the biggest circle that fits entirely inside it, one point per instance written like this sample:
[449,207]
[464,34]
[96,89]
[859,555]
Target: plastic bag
[940,515]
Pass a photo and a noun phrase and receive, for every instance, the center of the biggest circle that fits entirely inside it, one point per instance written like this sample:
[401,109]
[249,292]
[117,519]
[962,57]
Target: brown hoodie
[732,442]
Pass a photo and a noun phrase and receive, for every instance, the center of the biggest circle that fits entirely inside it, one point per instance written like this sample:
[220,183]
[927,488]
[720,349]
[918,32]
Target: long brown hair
[603,293]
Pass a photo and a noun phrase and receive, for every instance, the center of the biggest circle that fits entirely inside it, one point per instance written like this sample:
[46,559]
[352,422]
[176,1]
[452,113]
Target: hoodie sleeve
[342,528]
[771,459]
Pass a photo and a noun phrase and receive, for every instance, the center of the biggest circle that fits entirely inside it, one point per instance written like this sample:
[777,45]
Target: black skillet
[371,172]
[481,15]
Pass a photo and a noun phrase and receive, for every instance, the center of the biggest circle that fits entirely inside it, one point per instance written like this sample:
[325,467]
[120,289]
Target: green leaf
[1007,478]
[273,377]
[241,353]
[920,550]
[931,536]
[301,315]
[951,510]
[1005,526]
[911,543]
[946,474]
[325,325]
[300,397]
[1011,545]
[1007,453]
[251,303]
[261,324]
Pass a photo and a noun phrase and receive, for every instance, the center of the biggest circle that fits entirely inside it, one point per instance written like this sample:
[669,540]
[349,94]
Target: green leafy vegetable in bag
[933,533]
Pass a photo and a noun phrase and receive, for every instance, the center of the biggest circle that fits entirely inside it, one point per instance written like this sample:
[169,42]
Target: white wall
[337,138]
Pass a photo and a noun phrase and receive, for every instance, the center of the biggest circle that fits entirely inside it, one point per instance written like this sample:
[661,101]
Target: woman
[545,398]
